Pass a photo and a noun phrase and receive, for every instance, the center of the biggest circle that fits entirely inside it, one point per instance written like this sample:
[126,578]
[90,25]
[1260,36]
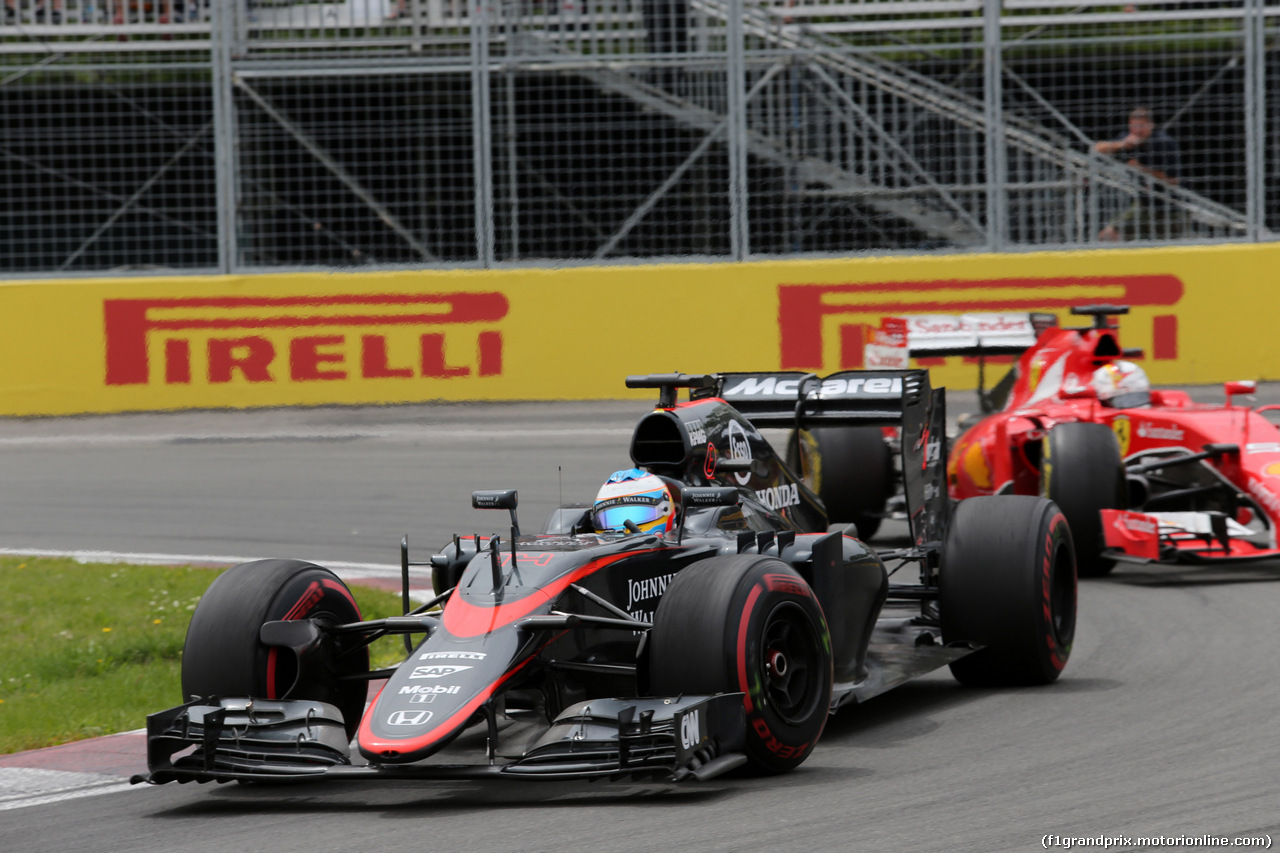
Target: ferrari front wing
[1193,538]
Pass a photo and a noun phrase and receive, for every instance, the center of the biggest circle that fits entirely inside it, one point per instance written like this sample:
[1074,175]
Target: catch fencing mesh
[243,136]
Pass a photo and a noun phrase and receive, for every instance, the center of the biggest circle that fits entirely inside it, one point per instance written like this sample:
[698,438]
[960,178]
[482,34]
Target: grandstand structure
[234,136]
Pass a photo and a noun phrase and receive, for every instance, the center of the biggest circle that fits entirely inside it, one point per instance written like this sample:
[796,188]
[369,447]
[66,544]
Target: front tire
[1083,474]
[1008,584]
[223,655]
[748,624]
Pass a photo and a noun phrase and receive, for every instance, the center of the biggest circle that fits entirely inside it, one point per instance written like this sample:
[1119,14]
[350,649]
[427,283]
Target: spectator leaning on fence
[38,14]
[1155,152]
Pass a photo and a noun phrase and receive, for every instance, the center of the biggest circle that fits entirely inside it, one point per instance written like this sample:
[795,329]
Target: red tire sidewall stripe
[341,588]
[306,602]
[756,721]
[1055,651]
[271,672]
[744,625]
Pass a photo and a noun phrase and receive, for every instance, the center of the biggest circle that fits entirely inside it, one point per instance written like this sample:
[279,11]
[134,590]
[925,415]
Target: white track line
[341,567]
[21,787]
[420,590]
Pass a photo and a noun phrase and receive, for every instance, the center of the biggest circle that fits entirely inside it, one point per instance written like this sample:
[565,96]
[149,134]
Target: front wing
[1180,538]
[240,739]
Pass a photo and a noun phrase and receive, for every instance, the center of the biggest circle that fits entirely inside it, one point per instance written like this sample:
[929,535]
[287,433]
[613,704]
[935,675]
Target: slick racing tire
[1008,584]
[223,655]
[748,624]
[850,468]
[1082,473]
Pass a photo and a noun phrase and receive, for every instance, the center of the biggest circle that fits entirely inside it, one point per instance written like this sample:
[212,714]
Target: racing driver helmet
[1122,385]
[633,501]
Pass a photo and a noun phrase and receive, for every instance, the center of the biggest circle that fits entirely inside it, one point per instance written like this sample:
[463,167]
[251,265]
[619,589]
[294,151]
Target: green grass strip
[91,649]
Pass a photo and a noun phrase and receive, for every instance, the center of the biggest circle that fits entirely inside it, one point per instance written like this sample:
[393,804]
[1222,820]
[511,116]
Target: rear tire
[1008,583]
[223,655]
[850,468]
[1082,473]
[748,624]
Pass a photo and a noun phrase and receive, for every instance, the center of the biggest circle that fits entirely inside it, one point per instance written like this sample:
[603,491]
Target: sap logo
[451,656]
[691,729]
[739,450]
[422,693]
[408,718]
[438,671]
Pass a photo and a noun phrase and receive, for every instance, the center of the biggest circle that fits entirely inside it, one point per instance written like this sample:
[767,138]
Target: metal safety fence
[238,135]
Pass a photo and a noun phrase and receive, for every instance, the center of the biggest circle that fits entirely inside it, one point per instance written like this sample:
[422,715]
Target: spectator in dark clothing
[1156,153]
[38,14]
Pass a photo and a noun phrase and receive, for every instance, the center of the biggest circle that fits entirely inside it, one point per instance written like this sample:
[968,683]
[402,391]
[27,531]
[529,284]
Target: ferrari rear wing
[941,335]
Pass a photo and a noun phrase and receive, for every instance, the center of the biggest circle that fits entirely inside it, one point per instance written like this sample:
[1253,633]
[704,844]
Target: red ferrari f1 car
[1142,475]
[698,616]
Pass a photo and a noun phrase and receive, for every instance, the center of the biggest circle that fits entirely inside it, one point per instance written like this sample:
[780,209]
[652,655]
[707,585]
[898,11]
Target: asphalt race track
[1163,724]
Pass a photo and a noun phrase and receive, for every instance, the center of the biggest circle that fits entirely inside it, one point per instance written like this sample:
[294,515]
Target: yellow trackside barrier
[1202,314]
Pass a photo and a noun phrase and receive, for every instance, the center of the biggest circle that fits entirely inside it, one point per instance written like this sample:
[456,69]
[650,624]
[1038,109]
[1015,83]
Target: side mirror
[498,499]
[696,496]
[710,496]
[1080,392]
[1246,386]
[494,499]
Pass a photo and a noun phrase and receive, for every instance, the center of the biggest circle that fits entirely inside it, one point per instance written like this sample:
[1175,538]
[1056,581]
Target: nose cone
[433,696]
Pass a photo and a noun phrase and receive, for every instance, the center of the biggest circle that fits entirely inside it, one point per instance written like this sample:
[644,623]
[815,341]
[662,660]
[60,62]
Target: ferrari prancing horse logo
[1123,429]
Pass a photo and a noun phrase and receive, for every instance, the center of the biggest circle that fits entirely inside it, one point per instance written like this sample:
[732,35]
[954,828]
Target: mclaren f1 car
[1143,475]
[698,617]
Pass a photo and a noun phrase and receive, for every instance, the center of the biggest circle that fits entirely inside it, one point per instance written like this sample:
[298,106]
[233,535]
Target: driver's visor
[1132,400]
[612,514]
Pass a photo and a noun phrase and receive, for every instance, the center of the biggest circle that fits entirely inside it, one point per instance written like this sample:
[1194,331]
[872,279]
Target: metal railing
[235,136]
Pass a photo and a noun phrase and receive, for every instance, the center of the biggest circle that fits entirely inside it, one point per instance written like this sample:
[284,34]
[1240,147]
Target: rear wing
[848,398]
[899,339]
[902,399]
[941,335]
